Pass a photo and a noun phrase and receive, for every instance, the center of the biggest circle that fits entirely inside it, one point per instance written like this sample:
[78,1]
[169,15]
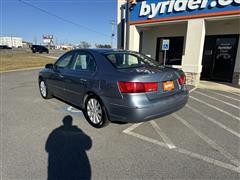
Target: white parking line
[73,110]
[214,107]
[180,150]
[214,121]
[164,137]
[190,91]
[237,107]
[235,93]
[131,128]
[223,95]
[148,139]
[209,141]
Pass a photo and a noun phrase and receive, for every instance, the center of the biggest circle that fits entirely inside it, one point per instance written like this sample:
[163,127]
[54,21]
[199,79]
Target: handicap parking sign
[165,44]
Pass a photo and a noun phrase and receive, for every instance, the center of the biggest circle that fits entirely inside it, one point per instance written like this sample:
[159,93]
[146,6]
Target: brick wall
[192,78]
[236,78]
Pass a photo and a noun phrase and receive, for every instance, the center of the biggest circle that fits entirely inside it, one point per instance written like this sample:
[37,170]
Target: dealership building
[11,41]
[201,37]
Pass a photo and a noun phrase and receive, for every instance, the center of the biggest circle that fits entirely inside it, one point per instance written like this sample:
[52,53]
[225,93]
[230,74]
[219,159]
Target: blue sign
[145,11]
[165,44]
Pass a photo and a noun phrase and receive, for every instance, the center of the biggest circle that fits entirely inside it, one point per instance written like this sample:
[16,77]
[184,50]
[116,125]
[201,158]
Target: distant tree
[84,45]
[103,46]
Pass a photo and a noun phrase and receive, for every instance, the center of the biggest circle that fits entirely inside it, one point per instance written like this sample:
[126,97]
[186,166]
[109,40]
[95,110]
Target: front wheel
[44,91]
[95,112]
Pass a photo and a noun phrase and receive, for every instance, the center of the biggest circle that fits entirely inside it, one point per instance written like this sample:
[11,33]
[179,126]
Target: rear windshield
[123,60]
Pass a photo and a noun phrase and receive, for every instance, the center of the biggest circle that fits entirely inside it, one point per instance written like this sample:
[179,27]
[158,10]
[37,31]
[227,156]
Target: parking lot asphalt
[201,141]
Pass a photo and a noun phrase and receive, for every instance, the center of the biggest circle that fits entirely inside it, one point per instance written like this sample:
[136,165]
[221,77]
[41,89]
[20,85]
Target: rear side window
[64,61]
[123,60]
[133,60]
[84,62]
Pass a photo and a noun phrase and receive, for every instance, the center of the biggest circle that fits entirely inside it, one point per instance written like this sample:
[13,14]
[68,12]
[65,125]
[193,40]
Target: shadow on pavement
[67,158]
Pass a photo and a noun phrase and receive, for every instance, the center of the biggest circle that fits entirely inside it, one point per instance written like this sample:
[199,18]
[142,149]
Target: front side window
[84,62]
[64,61]
[122,60]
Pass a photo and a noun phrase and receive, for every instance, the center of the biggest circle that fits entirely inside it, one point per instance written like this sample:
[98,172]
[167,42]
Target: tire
[95,112]
[44,91]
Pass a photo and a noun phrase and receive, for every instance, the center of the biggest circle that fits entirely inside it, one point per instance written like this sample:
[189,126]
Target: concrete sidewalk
[221,86]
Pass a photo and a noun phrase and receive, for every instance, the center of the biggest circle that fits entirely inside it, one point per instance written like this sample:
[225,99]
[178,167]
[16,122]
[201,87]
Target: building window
[175,52]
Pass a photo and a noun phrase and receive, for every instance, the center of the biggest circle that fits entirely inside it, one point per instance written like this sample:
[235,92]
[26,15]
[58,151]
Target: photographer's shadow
[67,157]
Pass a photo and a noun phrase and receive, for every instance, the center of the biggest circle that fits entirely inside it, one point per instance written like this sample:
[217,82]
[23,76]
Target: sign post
[48,39]
[165,48]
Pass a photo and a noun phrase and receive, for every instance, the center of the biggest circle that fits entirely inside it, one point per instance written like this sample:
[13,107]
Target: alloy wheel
[94,111]
[43,89]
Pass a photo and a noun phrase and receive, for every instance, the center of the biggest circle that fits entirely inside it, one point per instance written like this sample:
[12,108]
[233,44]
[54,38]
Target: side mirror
[49,66]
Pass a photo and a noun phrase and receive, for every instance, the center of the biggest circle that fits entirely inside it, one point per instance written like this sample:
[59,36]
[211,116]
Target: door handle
[82,79]
[60,75]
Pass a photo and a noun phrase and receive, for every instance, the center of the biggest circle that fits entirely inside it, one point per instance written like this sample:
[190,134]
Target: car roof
[38,45]
[104,50]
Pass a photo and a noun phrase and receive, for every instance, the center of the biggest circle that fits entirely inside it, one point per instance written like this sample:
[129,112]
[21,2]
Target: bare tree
[103,46]
[84,45]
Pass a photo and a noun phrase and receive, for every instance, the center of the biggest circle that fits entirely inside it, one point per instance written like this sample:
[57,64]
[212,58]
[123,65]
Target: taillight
[137,87]
[182,79]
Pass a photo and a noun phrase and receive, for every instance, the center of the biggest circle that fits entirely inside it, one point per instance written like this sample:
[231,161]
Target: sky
[21,20]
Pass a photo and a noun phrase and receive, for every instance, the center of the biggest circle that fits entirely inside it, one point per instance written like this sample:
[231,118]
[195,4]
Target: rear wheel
[44,91]
[95,112]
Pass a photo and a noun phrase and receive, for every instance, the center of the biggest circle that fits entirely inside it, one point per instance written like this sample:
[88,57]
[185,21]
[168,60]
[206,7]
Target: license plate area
[168,86]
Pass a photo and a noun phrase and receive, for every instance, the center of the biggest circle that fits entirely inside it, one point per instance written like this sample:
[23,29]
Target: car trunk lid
[164,76]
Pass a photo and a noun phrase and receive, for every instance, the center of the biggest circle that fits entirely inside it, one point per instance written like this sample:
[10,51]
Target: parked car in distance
[5,47]
[39,49]
[114,85]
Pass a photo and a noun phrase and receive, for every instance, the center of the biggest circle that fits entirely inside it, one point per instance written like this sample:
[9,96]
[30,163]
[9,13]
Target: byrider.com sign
[167,10]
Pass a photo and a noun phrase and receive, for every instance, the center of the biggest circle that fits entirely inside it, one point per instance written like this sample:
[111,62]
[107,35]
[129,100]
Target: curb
[19,70]
[51,57]
[27,69]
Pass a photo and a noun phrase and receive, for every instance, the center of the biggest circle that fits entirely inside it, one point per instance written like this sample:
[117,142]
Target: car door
[56,81]
[80,77]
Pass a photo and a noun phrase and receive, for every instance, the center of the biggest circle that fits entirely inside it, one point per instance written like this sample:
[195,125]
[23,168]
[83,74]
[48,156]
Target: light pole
[127,25]
[113,23]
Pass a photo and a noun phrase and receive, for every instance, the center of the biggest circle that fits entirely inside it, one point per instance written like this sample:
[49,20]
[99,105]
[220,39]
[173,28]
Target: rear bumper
[151,110]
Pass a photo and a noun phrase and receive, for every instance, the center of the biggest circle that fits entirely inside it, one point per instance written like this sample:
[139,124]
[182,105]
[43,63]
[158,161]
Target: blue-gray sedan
[114,85]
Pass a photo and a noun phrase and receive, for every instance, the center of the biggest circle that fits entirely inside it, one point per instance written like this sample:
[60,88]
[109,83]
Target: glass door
[219,57]
[208,55]
[224,59]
